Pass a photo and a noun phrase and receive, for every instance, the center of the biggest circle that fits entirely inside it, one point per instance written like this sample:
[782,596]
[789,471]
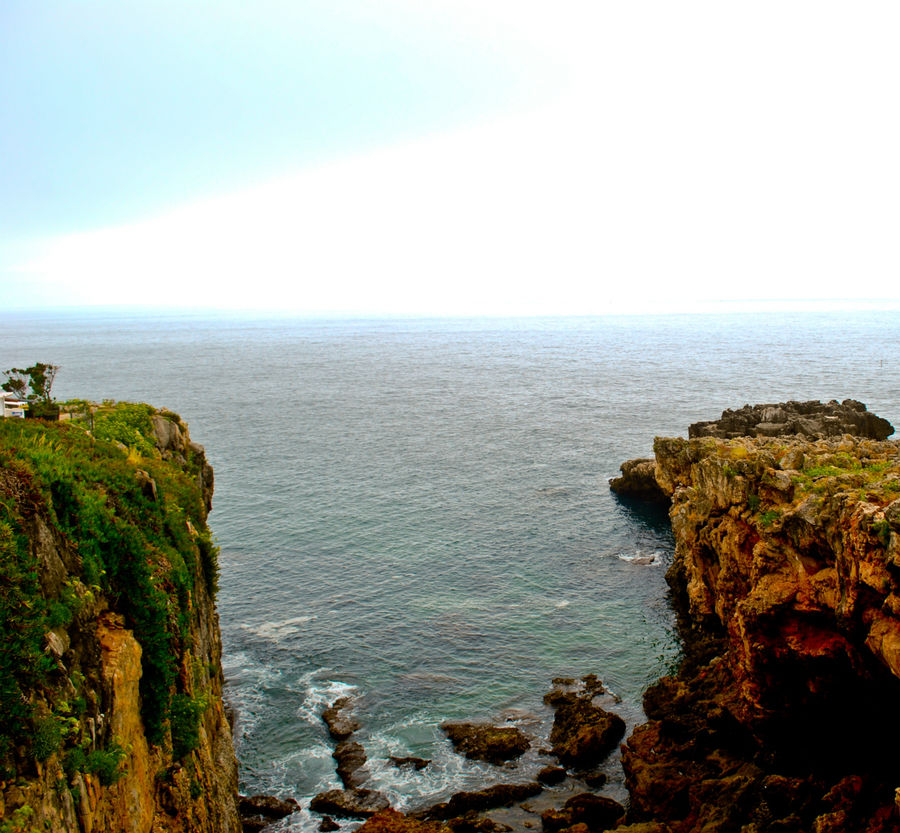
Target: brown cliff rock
[787,563]
[91,763]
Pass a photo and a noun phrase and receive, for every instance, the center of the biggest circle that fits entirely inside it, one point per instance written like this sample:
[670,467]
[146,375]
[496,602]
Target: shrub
[47,738]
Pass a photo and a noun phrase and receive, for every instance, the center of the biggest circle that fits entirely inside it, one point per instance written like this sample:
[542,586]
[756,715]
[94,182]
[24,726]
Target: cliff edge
[111,713]
[787,575]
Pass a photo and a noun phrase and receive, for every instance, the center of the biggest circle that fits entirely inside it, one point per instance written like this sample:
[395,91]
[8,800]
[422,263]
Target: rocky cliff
[787,569]
[111,713]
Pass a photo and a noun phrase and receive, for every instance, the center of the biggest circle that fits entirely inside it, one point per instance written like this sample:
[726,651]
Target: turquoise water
[417,512]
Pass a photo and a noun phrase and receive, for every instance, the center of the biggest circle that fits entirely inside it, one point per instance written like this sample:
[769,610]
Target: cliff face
[787,563]
[110,675]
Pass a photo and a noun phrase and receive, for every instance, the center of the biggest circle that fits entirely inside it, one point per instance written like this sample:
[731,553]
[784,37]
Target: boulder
[483,742]
[582,733]
[596,812]
[551,775]
[354,804]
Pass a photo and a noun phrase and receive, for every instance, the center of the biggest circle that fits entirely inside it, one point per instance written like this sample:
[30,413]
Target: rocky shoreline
[786,582]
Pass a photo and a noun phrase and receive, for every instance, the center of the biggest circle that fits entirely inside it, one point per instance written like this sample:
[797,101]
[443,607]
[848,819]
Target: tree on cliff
[39,377]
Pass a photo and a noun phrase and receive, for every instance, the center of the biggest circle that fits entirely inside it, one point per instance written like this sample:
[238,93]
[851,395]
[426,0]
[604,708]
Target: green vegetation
[767,518]
[185,720]
[148,553]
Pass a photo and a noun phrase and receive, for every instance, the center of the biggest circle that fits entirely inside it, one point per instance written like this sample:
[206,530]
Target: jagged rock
[596,812]
[499,795]
[328,825]
[409,761]
[582,732]
[356,803]
[351,759]
[811,419]
[638,480]
[338,719]
[484,742]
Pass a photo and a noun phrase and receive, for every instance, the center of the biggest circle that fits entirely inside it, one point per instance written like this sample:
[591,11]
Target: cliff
[787,572]
[111,713]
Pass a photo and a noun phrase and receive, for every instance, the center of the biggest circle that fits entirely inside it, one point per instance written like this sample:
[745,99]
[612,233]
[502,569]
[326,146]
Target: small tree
[39,377]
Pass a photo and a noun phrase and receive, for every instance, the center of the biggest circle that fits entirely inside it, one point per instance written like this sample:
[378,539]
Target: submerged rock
[483,742]
[409,761]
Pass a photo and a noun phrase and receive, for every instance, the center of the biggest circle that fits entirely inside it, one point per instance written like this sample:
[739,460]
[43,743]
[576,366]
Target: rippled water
[417,512]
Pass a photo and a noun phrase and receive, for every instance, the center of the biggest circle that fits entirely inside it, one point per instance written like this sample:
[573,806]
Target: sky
[449,157]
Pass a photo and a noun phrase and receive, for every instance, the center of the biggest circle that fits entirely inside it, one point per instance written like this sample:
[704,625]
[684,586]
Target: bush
[47,738]
[185,724]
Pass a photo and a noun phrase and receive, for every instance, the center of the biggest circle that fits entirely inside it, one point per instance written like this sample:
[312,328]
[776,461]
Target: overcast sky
[449,156]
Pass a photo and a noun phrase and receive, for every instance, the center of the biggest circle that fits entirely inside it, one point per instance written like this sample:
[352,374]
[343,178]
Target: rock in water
[582,733]
[500,795]
[338,719]
[354,804]
[351,760]
[596,812]
[483,742]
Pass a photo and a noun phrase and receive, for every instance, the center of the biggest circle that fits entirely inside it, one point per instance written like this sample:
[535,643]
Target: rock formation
[483,742]
[787,571]
[813,420]
[110,675]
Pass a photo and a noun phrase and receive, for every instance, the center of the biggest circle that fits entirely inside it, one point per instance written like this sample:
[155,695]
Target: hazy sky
[449,156]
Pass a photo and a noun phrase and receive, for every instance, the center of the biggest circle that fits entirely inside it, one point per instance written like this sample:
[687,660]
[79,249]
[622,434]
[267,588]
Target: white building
[12,405]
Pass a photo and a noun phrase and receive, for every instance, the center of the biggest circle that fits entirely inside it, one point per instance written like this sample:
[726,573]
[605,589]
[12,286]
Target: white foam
[320,694]
[644,559]
[276,631]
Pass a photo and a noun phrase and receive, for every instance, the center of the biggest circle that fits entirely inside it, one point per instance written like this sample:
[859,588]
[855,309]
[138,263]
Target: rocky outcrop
[583,732]
[787,568]
[638,480]
[112,716]
[483,742]
[813,420]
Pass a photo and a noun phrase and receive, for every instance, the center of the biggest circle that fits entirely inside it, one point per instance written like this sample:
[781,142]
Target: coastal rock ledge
[782,715]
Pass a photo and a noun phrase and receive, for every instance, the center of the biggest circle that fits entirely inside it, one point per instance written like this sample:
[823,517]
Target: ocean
[416,512]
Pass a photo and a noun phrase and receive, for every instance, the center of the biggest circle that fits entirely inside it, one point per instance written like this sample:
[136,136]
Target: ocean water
[416,512]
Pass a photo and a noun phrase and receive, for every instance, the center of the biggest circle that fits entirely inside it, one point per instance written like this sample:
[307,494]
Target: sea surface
[416,512]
